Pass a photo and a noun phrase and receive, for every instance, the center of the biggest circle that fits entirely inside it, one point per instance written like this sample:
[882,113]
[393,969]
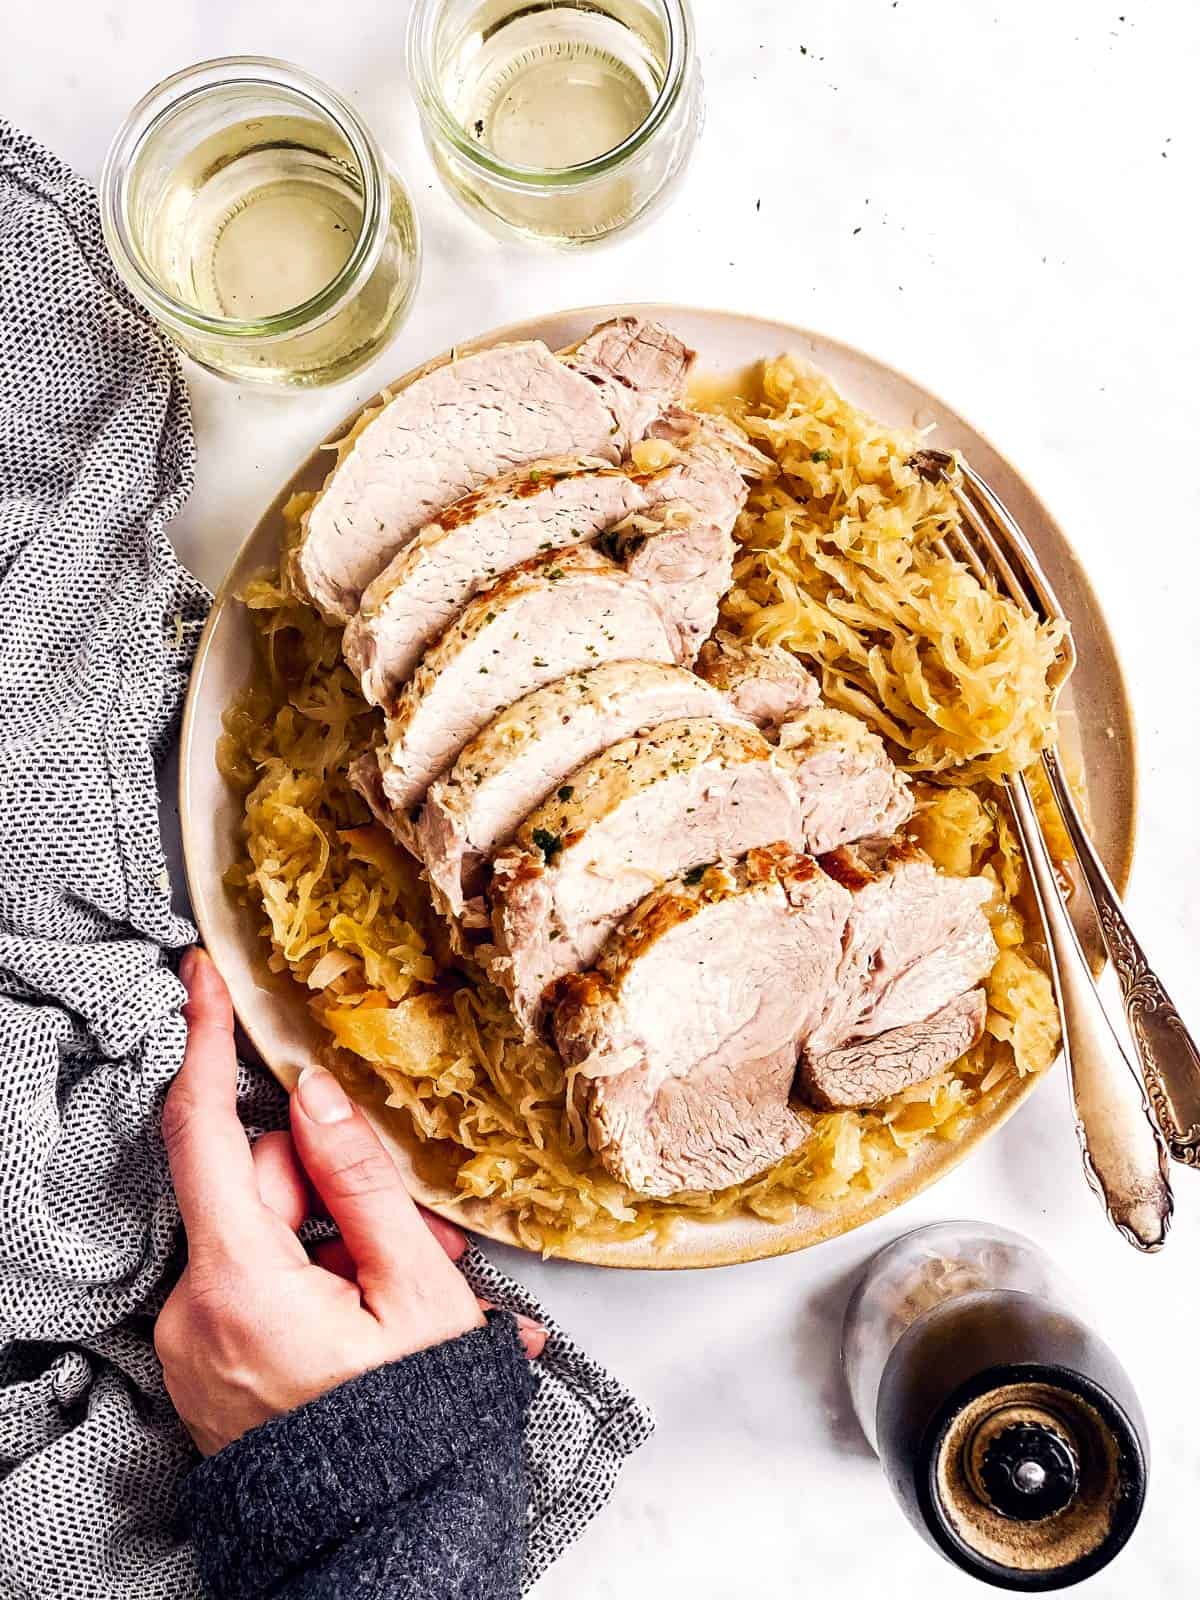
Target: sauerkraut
[839,565]
[842,563]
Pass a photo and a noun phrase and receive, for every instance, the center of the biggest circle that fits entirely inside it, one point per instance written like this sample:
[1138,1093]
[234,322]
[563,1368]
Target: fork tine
[996,529]
[984,532]
[986,540]
[991,544]
[1007,533]
[957,547]
[994,560]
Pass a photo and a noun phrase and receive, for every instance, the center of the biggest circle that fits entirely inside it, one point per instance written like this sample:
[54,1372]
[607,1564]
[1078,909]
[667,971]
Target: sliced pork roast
[872,1070]
[543,620]
[530,752]
[639,367]
[365,775]
[468,546]
[456,427]
[703,1131]
[765,682]
[646,810]
[525,755]
[669,522]
[685,1035]
[916,939]
[679,425]
[846,781]
[687,559]
[683,546]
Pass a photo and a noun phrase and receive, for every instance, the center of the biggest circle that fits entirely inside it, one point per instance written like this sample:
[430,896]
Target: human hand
[254,1327]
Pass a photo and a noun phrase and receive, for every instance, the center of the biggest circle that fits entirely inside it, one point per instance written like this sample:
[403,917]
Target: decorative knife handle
[1124,1157]
[1169,1059]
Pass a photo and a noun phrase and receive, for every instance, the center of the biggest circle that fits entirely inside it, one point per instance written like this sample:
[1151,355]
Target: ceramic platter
[272,1009]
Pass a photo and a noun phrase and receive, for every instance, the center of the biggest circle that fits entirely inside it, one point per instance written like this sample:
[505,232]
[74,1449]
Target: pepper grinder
[1008,1431]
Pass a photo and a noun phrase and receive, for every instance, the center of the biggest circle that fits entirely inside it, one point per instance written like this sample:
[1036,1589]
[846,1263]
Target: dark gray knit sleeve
[408,1482]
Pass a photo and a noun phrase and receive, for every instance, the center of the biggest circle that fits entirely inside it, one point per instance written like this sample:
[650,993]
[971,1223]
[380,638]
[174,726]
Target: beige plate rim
[258,999]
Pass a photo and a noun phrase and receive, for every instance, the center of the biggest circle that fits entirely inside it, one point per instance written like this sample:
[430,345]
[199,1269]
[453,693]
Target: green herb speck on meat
[566,792]
[548,843]
[821,455]
[693,875]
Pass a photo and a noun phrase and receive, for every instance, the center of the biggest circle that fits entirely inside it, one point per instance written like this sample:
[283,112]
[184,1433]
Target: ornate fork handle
[1167,1052]
[1124,1156]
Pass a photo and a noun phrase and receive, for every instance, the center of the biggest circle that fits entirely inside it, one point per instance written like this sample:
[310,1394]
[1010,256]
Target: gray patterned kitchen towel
[98,622]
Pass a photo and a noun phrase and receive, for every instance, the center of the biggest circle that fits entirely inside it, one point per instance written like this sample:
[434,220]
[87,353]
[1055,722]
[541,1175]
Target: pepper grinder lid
[1027,1471]
[1035,1477]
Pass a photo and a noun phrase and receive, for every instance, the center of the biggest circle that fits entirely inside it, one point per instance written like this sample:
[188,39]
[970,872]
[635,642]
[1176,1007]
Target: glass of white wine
[250,210]
[562,121]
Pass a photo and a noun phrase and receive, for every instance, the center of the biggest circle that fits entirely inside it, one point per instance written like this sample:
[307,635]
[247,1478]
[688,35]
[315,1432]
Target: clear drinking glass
[250,210]
[562,122]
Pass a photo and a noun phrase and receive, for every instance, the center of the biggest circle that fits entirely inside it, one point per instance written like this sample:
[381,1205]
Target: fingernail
[321,1096]
[532,1337]
[196,965]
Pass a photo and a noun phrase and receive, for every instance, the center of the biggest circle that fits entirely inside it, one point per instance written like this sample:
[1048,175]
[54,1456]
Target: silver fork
[1124,1153]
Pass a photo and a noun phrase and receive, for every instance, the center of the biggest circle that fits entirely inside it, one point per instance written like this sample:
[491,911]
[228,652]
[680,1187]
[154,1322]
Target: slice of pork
[686,1032]
[849,786]
[723,1125]
[685,552]
[669,520]
[916,940]
[472,543]
[548,618]
[765,682]
[468,421]
[684,546]
[872,1070]
[680,426]
[646,810]
[686,557]
[529,752]
[715,1127]
[365,776]
[640,368]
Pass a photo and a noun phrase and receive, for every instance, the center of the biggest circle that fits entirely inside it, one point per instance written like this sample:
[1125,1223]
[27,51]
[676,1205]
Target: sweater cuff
[298,1485]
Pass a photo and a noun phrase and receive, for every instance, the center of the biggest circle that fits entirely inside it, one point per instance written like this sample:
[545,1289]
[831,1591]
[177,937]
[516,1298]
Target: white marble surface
[1024,176]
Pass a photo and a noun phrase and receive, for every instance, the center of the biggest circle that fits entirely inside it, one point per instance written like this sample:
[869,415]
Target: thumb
[361,1189]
